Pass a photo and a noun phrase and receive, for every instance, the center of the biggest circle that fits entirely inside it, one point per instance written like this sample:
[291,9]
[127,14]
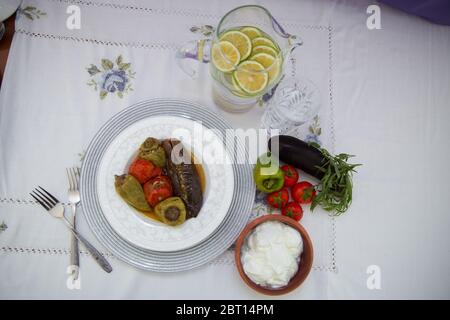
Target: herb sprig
[335,188]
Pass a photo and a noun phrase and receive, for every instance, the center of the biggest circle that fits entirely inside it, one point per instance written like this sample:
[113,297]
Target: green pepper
[152,150]
[267,174]
[171,211]
[129,188]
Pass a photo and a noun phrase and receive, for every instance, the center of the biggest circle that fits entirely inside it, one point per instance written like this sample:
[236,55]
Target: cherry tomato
[303,192]
[278,199]
[293,210]
[290,175]
[143,170]
[158,189]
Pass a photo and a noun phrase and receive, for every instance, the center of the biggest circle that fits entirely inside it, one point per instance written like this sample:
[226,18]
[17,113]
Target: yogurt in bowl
[274,254]
[271,254]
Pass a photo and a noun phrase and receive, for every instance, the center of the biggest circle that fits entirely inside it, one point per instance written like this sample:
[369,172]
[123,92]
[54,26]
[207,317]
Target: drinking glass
[295,102]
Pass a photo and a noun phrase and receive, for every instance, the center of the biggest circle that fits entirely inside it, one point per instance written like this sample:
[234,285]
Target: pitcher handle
[294,41]
[198,50]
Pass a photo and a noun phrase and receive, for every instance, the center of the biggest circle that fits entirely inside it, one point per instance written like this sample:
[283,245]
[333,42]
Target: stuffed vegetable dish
[163,182]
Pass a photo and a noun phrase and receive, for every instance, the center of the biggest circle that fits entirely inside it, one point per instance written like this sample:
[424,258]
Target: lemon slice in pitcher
[262,41]
[269,63]
[237,89]
[225,56]
[233,86]
[241,41]
[251,77]
[251,32]
[264,49]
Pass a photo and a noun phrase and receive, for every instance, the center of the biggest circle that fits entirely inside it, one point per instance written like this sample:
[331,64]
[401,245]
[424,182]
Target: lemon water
[246,60]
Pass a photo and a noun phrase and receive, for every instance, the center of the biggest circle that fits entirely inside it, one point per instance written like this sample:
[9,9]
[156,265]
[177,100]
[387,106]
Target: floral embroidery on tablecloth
[111,77]
[261,207]
[81,156]
[3,227]
[206,30]
[315,131]
[30,12]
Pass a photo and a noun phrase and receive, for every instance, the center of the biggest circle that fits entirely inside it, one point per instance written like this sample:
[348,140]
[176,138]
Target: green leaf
[320,169]
[314,204]
[92,83]
[107,64]
[119,60]
[120,94]
[29,16]
[93,70]
[103,94]
[194,29]
[335,188]
[124,66]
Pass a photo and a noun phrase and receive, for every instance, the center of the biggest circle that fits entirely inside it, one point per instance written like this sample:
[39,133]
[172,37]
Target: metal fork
[56,209]
[73,175]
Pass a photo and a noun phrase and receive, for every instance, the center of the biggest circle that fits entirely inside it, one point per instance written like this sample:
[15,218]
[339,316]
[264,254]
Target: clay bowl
[306,259]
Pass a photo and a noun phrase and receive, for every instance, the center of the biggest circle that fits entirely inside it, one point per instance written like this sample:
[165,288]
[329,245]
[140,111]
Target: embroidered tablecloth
[62,84]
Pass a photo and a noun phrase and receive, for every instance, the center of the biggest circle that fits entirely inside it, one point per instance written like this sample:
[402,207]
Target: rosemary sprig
[335,188]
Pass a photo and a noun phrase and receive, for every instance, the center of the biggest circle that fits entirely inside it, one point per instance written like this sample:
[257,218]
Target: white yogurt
[271,254]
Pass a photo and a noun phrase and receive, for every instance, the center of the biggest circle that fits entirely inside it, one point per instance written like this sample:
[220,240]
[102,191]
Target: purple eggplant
[300,154]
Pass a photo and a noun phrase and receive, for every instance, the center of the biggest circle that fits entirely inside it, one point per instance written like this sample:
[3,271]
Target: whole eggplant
[300,154]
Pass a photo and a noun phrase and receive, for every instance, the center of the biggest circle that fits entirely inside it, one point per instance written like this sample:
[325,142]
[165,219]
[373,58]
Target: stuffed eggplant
[184,177]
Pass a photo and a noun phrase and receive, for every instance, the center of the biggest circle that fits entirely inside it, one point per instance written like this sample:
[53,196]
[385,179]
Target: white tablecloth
[386,99]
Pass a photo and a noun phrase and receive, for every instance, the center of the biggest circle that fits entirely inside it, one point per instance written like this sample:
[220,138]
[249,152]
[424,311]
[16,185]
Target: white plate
[7,8]
[220,240]
[145,232]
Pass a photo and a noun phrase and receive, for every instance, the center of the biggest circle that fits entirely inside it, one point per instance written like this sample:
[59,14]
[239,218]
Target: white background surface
[392,109]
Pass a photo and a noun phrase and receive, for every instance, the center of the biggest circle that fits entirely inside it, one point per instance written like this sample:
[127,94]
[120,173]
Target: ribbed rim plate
[219,241]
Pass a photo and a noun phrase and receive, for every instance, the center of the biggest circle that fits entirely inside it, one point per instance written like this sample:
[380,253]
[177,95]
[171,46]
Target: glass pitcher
[246,54]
